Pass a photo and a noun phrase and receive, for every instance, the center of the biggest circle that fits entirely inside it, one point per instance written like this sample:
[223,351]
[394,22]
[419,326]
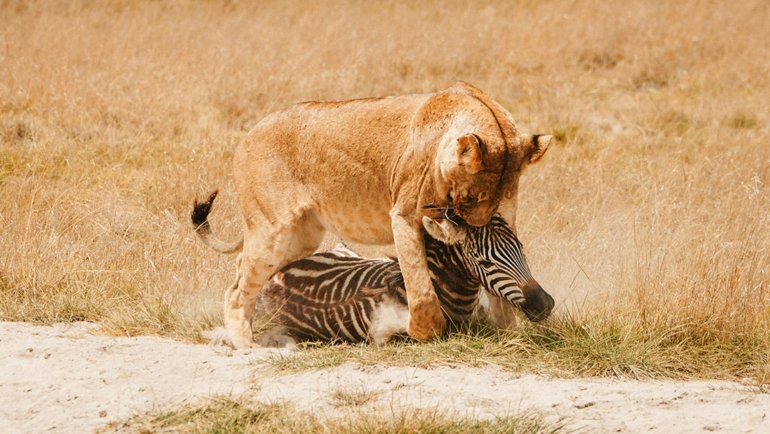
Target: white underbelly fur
[389,318]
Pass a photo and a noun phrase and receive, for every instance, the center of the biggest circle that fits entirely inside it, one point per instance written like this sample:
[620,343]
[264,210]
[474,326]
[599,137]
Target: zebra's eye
[485,263]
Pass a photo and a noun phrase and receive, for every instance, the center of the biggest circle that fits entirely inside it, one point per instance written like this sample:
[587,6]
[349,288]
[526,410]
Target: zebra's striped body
[339,295]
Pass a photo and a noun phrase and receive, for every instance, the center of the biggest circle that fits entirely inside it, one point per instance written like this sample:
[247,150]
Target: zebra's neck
[454,280]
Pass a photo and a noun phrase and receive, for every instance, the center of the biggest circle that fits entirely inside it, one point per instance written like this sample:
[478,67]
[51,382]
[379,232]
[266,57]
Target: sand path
[66,379]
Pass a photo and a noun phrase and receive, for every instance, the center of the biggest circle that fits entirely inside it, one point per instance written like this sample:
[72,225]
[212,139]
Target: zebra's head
[496,255]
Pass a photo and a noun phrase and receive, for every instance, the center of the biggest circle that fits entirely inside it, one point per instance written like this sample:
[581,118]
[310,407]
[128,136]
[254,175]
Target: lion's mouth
[448,212]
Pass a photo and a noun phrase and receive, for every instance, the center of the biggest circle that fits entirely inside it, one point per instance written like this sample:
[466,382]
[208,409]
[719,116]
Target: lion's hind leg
[266,249]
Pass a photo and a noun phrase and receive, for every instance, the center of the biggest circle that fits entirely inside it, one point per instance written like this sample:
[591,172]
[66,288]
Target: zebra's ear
[343,250]
[443,230]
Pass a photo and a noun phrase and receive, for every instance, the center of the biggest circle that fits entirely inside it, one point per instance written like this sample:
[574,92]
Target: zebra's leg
[266,249]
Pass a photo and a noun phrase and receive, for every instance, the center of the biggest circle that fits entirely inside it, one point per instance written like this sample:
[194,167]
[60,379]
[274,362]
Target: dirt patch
[66,379]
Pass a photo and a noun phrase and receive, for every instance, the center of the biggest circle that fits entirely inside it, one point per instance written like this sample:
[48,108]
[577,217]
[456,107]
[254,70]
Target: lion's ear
[536,145]
[469,153]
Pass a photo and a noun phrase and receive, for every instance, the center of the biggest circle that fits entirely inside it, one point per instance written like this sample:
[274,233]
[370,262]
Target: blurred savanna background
[648,220]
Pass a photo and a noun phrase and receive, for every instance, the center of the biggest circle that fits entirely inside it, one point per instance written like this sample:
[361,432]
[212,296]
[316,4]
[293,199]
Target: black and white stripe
[334,295]
[498,256]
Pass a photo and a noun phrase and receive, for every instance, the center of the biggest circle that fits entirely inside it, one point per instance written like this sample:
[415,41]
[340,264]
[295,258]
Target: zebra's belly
[389,319]
[375,319]
[356,308]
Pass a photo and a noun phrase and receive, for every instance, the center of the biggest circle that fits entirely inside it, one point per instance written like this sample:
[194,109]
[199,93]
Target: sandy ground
[66,379]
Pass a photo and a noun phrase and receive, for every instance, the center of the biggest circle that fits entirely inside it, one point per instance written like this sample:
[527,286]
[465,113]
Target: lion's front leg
[425,317]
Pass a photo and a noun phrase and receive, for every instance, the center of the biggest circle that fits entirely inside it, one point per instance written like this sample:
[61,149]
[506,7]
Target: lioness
[368,170]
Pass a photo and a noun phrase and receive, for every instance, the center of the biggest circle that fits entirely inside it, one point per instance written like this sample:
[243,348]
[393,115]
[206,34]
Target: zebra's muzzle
[537,304]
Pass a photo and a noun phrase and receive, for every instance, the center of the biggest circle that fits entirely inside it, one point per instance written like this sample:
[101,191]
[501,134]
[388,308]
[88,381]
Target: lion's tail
[199,216]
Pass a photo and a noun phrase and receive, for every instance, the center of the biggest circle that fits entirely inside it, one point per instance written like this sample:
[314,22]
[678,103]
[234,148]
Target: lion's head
[476,176]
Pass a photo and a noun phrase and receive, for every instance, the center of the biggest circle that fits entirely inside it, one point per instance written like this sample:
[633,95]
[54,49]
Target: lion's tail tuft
[200,216]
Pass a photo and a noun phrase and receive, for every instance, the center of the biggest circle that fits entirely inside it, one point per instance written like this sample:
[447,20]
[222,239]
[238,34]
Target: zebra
[338,295]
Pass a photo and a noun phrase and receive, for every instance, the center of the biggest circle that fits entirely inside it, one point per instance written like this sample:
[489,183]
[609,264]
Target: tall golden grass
[649,219]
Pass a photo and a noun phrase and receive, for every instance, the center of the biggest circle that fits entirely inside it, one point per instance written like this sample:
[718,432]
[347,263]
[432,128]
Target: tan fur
[364,169]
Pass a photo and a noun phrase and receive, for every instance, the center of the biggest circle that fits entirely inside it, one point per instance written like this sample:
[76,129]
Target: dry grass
[353,396]
[238,415]
[649,220]
[590,346]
